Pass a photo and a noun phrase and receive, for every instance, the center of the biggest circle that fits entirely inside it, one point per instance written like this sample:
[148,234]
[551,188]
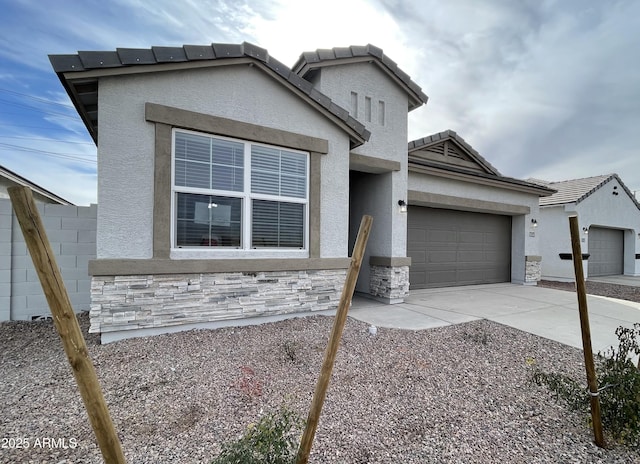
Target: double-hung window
[233,194]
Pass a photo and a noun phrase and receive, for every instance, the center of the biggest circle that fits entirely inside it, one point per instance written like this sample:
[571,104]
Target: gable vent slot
[455,152]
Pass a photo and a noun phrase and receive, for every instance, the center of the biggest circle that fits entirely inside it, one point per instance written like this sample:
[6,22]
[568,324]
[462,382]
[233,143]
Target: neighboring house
[609,218]
[71,231]
[232,186]
[40,195]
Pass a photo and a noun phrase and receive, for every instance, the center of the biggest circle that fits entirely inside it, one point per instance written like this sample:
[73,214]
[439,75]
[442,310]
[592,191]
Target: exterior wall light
[534,223]
[403,206]
[585,230]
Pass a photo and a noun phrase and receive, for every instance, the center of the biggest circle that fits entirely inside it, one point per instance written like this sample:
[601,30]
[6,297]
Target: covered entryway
[606,249]
[449,248]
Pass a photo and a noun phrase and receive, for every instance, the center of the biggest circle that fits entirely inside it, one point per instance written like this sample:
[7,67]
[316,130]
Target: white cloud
[293,27]
[536,86]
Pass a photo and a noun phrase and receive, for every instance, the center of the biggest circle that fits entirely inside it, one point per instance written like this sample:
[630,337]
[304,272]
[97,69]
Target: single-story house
[609,218]
[71,231]
[231,187]
[9,178]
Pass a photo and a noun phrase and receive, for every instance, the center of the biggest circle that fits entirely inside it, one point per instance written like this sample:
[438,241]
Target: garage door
[606,247]
[450,248]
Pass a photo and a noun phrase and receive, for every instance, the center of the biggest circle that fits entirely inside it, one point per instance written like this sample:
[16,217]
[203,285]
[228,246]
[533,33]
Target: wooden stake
[66,323]
[586,332]
[334,341]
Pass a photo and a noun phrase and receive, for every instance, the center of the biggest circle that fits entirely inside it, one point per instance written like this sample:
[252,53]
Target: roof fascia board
[152,68]
[475,179]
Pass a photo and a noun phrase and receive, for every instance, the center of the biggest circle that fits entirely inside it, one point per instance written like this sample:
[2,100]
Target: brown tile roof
[310,61]
[84,90]
[576,190]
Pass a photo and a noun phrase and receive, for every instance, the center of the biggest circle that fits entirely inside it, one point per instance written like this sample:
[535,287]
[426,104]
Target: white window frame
[244,251]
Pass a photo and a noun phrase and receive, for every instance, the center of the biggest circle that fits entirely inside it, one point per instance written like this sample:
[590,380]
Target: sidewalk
[545,312]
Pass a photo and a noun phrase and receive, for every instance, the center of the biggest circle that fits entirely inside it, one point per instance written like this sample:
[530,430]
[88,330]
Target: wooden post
[66,323]
[334,341]
[586,332]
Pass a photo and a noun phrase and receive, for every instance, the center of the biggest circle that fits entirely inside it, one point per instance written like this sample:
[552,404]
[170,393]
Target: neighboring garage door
[606,249]
[450,248]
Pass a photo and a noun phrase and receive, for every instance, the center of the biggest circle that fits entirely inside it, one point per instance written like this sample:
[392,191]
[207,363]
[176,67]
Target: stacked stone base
[533,270]
[135,302]
[389,283]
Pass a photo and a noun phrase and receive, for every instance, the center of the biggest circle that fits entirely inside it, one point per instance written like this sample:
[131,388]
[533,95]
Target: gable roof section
[449,148]
[79,75]
[19,180]
[449,155]
[577,190]
[310,61]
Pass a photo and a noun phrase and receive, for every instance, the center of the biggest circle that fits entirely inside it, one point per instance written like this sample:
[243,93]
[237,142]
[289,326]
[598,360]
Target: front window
[232,194]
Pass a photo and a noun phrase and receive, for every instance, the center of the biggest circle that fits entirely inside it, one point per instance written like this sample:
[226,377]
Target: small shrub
[291,348]
[620,390]
[619,387]
[565,388]
[273,440]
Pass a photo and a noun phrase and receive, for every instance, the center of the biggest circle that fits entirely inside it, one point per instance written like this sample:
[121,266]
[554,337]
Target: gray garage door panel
[606,249]
[457,247]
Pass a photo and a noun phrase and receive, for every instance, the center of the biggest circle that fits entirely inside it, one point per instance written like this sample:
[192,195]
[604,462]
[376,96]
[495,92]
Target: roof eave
[426,167]
[357,132]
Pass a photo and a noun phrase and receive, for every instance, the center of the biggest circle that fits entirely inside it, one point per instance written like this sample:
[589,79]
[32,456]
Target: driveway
[545,312]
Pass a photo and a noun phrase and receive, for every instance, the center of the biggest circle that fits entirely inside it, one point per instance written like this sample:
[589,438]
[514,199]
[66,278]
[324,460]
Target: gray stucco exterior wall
[467,196]
[600,209]
[382,106]
[126,147]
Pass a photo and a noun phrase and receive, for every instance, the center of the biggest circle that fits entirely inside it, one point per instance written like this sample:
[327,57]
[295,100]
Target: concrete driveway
[541,311]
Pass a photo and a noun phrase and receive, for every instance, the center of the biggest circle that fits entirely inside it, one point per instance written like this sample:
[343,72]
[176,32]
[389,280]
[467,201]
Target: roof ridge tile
[309,60]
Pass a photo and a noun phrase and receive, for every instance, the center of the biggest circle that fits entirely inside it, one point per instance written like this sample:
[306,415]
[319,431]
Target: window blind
[278,172]
[208,163]
[277,224]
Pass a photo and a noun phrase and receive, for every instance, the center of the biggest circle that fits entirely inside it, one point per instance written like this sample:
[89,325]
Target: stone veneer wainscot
[121,303]
[533,270]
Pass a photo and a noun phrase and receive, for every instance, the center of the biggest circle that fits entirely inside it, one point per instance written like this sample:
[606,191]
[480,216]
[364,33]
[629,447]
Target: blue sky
[546,89]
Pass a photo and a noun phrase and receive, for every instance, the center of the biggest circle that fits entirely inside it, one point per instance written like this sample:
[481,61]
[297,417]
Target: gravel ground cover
[622,292]
[457,394]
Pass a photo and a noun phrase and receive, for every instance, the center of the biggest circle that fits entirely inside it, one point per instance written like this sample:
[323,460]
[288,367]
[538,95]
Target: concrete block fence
[72,233]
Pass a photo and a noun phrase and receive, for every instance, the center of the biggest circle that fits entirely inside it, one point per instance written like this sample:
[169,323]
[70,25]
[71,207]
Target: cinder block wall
[72,233]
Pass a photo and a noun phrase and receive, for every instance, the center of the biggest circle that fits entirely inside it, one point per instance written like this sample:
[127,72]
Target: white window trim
[246,196]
